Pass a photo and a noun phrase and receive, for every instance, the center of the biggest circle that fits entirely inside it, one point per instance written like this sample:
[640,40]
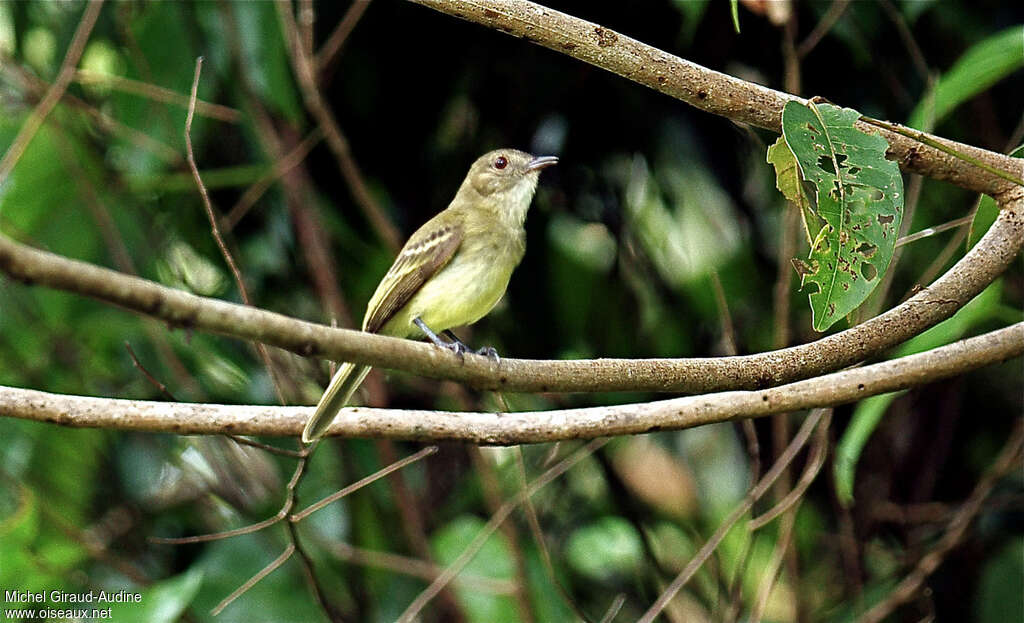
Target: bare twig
[725,319]
[157,93]
[262,573]
[217,536]
[771,573]
[741,509]
[828,20]
[56,91]
[215,228]
[538,538]
[152,379]
[818,453]
[359,484]
[306,75]
[1009,457]
[329,50]
[281,167]
[414,567]
[492,497]
[938,229]
[295,454]
[496,520]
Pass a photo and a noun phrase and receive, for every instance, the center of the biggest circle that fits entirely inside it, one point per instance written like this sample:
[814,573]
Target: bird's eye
[500,162]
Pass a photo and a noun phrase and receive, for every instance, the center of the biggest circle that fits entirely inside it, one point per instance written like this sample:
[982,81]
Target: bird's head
[507,172]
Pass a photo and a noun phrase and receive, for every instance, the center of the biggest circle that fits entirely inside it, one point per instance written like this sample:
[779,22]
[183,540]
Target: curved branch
[711,91]
[975,271]
[513,428]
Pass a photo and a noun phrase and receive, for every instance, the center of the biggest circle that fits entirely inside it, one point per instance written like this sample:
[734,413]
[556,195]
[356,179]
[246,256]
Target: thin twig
[262,573]
[215,228]
[538,538]
[359,484]
[496,520]
[741,509]
[414,567]
[922,137]
[492,497]
[724,318]
[306,75]
[1008,457]
[916,55]
[260,186]
[157,93]
[614,608]
[295,454]
[818,453]
[828,20]
[931,231]
[329,50]
[310,572]
[152,379]
[56,91]
[217,536]
[771,573]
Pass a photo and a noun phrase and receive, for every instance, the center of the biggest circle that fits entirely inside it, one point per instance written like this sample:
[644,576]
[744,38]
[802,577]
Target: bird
[451,272]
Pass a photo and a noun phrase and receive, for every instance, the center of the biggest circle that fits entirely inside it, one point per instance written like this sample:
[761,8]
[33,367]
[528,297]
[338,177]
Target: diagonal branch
[711,91]
[975,271]
[528,427]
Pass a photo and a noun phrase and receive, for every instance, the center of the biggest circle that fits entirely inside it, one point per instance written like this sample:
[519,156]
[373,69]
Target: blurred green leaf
[493,561]
[162,602]
[606,549]
[982,65]
[869,411]
[734,8]
[859,195]
[998,597]
[987,212]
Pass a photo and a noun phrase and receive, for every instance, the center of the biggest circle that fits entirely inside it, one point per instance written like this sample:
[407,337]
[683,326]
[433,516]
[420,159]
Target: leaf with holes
[790,183]
[859,197]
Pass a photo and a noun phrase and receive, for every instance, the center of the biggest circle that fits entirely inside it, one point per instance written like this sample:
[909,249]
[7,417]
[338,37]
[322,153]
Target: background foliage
[652,206]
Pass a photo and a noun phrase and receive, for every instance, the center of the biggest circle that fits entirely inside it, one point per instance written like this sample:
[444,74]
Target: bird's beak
[541,162]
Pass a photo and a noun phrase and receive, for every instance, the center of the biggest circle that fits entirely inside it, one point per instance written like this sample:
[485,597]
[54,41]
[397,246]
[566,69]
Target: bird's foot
[490,353]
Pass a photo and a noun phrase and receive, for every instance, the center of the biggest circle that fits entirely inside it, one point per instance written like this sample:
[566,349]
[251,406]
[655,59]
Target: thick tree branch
[711,91]
[986,261]
[513,428]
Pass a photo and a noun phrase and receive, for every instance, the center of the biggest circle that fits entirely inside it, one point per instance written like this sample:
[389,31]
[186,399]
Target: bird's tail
[345,382]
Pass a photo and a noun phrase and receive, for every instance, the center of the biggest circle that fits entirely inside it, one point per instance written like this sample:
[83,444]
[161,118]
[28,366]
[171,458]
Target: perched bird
[451,272]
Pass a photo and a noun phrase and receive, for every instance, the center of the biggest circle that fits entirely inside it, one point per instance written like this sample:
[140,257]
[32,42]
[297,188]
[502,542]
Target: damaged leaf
[858,204]
[790,183]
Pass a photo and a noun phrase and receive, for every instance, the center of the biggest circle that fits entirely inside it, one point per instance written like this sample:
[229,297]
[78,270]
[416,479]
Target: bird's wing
[426,252]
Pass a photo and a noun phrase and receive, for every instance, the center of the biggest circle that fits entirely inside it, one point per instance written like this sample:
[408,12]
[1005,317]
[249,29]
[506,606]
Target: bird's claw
[456,347]
[490,353]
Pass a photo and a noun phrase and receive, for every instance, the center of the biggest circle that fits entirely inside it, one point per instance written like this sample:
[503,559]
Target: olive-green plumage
[452,271]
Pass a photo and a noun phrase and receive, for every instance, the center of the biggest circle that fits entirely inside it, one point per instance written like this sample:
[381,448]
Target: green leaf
[607,548]
[987,212]
[984,64]
[791,184]
[163,601]
[735,8]
[998,598]
[859,195]
[494,560]
[869,412]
